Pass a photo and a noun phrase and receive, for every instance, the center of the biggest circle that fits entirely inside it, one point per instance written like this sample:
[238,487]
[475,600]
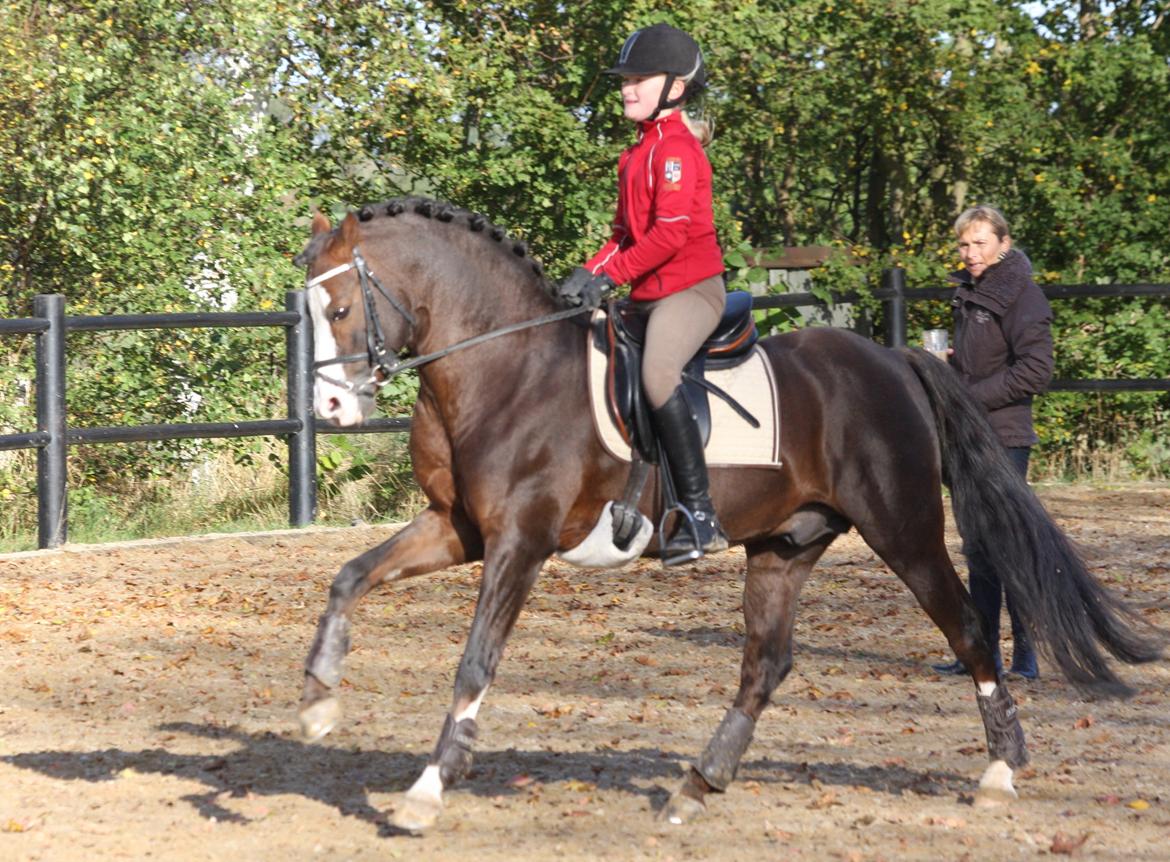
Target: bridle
[384,366]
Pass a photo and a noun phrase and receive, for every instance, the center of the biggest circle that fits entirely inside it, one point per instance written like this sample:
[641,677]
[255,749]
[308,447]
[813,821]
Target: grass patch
[360,478]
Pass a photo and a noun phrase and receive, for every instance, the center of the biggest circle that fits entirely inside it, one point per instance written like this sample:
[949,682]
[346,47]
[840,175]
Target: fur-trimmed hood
[1001,284]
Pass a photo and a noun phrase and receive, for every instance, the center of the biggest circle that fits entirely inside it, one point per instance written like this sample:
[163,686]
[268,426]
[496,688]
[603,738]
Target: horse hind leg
[432,541]
[776,571]
[927,570]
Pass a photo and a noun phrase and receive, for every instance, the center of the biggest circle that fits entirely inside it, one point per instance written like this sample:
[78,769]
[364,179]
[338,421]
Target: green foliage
[164,156]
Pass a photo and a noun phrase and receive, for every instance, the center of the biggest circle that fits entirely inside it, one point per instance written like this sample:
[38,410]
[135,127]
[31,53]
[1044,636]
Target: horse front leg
[775,575]
[434,540]
[510,569]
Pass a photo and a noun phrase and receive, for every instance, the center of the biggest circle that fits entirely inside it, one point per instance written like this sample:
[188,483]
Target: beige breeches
[677,328]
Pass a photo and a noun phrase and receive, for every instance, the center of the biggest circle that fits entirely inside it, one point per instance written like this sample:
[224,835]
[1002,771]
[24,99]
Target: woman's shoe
[1026,668]
[956,668]
[1024,661]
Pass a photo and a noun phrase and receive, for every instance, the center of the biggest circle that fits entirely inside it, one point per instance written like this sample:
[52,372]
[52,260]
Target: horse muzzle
[342,406]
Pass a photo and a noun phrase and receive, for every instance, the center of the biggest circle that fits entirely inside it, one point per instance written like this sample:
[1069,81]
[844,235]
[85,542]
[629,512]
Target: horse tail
[1068,613]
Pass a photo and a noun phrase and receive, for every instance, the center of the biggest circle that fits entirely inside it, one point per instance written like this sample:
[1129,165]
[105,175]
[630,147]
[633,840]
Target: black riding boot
[678,431]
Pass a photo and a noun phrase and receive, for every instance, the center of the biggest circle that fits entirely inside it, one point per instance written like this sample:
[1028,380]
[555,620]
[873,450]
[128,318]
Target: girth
[622,332]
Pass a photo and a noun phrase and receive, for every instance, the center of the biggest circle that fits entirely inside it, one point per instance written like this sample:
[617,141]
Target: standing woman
[1003,351]
[664,245]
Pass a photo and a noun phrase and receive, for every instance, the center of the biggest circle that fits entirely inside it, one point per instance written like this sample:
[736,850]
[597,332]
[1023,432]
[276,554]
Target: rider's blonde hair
[702,127]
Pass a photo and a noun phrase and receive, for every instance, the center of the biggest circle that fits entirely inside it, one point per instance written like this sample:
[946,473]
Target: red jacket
[663,233]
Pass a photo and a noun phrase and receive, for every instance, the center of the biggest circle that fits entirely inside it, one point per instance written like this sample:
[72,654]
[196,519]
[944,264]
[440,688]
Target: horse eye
[339,313]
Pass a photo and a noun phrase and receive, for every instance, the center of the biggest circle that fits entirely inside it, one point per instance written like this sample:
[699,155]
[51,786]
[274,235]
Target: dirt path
[149,696]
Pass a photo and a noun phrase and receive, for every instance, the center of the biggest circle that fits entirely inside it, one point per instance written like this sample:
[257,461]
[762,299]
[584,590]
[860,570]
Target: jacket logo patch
[672,172]
[982,317]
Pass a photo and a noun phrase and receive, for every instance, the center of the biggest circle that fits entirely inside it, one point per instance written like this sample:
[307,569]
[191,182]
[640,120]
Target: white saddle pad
[733,443]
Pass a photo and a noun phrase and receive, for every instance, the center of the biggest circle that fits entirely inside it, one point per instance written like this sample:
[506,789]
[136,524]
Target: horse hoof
[995,797]
[995,787]
[319,718]
[682,809]
[416,813]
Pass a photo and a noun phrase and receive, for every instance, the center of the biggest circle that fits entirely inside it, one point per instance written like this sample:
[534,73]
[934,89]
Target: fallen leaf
[1138,805]
[825,800]
[1084,722]
[1067,845]
[946,822]
[554,710]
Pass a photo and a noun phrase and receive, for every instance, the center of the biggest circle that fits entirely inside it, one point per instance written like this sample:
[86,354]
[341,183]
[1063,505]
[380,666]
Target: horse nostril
[334,405]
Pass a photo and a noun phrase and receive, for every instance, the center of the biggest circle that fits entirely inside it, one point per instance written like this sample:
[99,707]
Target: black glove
[583,288]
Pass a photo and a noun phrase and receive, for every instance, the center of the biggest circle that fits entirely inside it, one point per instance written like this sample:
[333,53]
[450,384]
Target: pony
[503,446]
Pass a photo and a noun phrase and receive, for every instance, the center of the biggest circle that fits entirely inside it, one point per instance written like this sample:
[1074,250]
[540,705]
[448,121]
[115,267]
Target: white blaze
[330,401]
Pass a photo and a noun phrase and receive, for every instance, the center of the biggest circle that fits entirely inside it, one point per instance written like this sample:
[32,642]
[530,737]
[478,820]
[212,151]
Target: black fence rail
[894,296]
[299,427]
[53,435]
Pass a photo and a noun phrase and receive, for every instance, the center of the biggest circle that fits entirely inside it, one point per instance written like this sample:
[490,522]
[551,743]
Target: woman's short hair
[983,213]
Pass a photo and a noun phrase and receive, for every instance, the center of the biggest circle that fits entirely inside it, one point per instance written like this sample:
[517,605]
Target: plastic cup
[935,342]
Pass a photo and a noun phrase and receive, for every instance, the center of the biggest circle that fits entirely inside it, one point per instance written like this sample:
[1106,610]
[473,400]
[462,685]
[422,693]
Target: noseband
[382,367]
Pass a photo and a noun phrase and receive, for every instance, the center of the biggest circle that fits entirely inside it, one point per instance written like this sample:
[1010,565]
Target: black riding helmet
[658,49]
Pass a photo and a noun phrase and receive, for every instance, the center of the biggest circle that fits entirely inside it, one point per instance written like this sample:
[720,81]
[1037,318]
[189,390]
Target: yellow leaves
[1151,199]
[1033,68]
[1138,805]
[1040,177]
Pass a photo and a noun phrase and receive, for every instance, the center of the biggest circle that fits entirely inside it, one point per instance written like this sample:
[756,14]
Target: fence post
[302,445]
[52,499]
[895,279]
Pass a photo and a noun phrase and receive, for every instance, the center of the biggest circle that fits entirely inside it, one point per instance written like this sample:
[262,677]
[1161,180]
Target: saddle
[621,335]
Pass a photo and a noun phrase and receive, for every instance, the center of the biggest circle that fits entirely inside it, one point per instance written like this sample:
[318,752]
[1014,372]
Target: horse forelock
[313,248]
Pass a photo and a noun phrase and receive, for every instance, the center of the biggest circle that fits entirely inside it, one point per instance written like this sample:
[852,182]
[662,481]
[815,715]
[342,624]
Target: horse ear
[320,223]
[349,231]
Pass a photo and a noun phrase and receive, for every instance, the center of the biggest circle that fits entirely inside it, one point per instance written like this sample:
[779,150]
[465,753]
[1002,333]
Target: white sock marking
[472,709]
[998,776]
[428,786]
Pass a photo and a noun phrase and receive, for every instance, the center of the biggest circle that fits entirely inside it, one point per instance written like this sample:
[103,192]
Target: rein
[384,368]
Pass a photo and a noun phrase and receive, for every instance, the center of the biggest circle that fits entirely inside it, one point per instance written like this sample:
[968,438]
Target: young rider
[664,245]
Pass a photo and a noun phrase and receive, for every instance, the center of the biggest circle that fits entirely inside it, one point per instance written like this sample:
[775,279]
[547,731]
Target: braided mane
[445,212]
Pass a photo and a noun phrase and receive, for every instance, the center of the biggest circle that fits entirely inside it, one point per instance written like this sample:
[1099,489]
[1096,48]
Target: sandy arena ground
[148,712]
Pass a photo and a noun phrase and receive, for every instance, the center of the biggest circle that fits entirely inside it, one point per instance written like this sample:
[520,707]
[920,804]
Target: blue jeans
[986,587]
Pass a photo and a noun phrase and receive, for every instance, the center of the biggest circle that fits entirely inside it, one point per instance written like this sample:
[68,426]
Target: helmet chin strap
[664,100]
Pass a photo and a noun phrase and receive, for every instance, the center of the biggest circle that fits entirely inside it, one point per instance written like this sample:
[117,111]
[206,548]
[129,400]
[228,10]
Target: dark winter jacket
[1003,343]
